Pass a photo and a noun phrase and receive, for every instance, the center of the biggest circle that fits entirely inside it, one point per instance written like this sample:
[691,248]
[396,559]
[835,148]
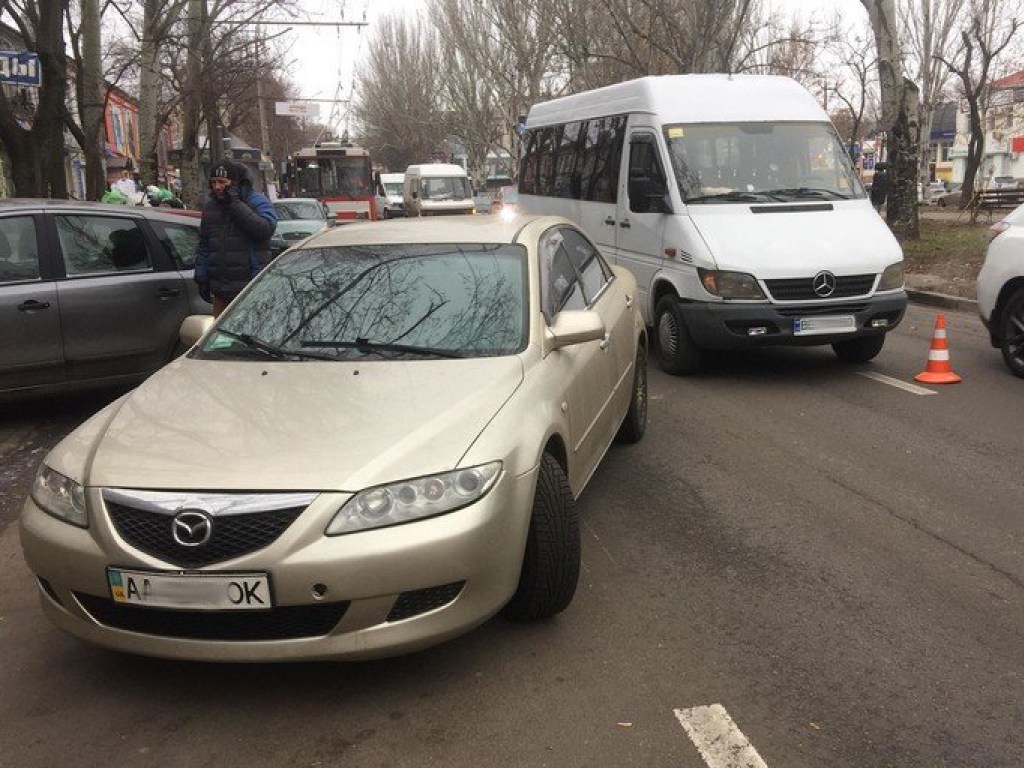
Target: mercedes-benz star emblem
[824,284]
[192,528]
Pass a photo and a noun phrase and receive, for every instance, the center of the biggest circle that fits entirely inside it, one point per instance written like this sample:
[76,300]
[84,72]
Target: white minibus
[734,202]
[388,195]
[437,189]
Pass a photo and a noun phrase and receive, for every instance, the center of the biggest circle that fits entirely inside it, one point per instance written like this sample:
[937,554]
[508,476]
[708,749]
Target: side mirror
[193,328]
[574,326]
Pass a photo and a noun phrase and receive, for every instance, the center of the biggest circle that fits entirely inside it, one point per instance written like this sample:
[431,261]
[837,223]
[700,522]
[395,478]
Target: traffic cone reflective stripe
[938,370]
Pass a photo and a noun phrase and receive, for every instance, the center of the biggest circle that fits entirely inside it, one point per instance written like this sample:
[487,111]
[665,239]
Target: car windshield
[302,209]
[760,162]
[393,189]
[381,302]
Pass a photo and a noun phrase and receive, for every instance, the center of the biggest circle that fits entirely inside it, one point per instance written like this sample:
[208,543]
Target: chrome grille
[802,288]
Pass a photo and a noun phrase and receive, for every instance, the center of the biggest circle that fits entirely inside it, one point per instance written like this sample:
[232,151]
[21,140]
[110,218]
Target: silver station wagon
[378,446]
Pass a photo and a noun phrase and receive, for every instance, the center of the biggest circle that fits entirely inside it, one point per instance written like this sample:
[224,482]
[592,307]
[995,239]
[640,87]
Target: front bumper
[372,594]
[733,325]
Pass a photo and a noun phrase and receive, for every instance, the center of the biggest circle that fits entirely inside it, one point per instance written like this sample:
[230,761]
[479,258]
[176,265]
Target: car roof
[433,229]
[87,206]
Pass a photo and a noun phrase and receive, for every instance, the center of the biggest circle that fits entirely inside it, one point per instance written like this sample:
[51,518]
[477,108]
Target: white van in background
[388,195]
[437,189]
[732,200]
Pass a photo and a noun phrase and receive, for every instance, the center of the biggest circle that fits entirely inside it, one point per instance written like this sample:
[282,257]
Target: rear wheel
[635,423]
[859,350]
[1011,340]
[677,351]
[551,563]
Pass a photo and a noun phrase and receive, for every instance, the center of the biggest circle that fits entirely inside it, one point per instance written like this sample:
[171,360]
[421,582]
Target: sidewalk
[919,290]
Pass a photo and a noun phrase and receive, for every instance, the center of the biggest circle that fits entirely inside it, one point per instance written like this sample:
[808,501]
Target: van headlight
[730,285]
[60,496]
[892,277]
[415,499]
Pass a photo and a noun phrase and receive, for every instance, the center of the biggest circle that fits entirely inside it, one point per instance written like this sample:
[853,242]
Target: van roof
[392,176]
[703,98]
[437,169]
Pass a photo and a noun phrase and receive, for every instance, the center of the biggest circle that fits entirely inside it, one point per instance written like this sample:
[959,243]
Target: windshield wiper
[368,347]
[735,196]
[268,349]
[807,192]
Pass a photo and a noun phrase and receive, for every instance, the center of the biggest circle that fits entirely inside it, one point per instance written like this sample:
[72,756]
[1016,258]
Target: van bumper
[730,326]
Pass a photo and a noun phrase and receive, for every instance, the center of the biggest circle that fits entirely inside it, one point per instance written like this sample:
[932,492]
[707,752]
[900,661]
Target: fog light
[757,330]
[880,322]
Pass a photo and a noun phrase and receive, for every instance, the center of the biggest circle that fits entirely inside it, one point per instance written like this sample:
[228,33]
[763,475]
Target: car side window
[560,286]
[647,183]
[181,241]
[98,245]
[19,249]
[594,272]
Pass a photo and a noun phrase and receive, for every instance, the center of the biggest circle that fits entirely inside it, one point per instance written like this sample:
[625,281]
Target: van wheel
[859,350]
[551,562]
[1011,342]
[678,352]
[635,423]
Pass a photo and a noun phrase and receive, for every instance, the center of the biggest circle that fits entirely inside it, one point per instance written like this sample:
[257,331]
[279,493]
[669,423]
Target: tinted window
[96,245]
[181,241]
[599,161]
[466,299]
[19,251]
[646,175]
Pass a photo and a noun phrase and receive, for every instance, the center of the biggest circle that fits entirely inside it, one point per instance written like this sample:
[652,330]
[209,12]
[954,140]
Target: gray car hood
[231,425]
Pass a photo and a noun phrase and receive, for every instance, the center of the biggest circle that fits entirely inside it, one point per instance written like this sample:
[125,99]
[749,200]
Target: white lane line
[721,743]
[911,388]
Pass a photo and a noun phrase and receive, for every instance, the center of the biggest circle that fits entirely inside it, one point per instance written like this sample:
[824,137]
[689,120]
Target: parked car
[1001,289]
[950,198]
[91,293]
[375,448]
[297,219]
[1003,182]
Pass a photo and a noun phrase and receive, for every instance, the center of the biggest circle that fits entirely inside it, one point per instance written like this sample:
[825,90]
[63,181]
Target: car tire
[859,350]
[677,351]
[635,423]
[1011,336]
[551,562]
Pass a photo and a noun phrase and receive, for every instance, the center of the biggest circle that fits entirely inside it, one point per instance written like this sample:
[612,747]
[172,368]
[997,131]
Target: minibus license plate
[197,591]
[811,326]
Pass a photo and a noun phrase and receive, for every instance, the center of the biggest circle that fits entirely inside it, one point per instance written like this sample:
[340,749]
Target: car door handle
[606,341]
[610,221]
[32,306]
[168,293]
[624,223]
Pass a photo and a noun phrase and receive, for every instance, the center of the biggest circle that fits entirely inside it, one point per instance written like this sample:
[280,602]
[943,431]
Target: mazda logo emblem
[192,528]
[824,284]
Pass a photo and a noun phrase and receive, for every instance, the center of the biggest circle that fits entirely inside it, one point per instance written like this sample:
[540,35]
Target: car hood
[848,239]
[232,425]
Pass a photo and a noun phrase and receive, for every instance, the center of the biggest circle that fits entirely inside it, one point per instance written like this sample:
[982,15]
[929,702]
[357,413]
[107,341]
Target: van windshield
[445,188]
[760,162]
[393,188]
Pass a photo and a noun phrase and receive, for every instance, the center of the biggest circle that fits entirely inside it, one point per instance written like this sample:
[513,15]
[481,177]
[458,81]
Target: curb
[942,300]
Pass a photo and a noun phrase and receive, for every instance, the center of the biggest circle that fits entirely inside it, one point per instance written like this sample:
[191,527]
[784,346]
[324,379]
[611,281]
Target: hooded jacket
[234,235]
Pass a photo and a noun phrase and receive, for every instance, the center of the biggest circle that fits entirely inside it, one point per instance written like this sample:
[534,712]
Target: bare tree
[853,80]
[989,31]
[399,106]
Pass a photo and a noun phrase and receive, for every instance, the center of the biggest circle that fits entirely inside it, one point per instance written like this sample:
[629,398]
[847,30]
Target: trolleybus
[337,174]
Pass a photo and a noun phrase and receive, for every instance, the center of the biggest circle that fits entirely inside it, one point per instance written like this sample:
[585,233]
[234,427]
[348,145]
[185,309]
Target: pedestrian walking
[234,235]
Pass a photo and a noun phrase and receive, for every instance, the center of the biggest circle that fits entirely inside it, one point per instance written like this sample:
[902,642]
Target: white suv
[1001,289]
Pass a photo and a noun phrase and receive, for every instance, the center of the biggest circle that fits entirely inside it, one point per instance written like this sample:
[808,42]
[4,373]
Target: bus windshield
[334,177]
[765,162]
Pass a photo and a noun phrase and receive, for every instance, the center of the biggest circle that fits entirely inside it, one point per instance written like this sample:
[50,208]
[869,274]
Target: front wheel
[679,354]
[551,562]
[859,350]
[1011,341]
[635,423]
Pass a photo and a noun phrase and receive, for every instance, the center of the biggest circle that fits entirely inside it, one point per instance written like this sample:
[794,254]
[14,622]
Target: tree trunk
[191,190]
[90,102]
[46,137]
[149,93]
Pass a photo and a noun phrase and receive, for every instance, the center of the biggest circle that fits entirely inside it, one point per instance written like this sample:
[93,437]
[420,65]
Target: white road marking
[911,388]
[720,742]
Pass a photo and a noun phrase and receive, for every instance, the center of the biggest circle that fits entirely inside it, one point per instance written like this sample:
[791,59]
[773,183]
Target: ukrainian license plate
[811,326]
[215,592]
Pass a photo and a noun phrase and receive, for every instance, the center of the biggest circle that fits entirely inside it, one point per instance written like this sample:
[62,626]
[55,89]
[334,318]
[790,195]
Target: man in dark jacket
[880,186]
[234,235]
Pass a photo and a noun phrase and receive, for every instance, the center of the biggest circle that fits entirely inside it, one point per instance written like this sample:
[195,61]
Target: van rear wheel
[678,352]
[859,350]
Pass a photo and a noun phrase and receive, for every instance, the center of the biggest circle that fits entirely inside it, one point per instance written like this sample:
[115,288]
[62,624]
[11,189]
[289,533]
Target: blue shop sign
[20,68]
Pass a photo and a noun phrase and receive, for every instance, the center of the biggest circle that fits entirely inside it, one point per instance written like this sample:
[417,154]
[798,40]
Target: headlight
[60,496]
[414,499]
[892,278]
[730,285]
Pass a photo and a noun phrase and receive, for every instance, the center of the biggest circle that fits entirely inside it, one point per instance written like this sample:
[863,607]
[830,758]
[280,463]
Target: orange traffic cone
[938,371]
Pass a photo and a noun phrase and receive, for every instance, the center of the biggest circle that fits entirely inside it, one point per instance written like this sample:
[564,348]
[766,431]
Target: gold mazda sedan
[377,447]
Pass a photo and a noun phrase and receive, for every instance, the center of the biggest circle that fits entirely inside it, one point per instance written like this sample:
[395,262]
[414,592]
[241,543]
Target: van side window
[528,165]
[567,182]
[549,138]
[647,186]
[602,151]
